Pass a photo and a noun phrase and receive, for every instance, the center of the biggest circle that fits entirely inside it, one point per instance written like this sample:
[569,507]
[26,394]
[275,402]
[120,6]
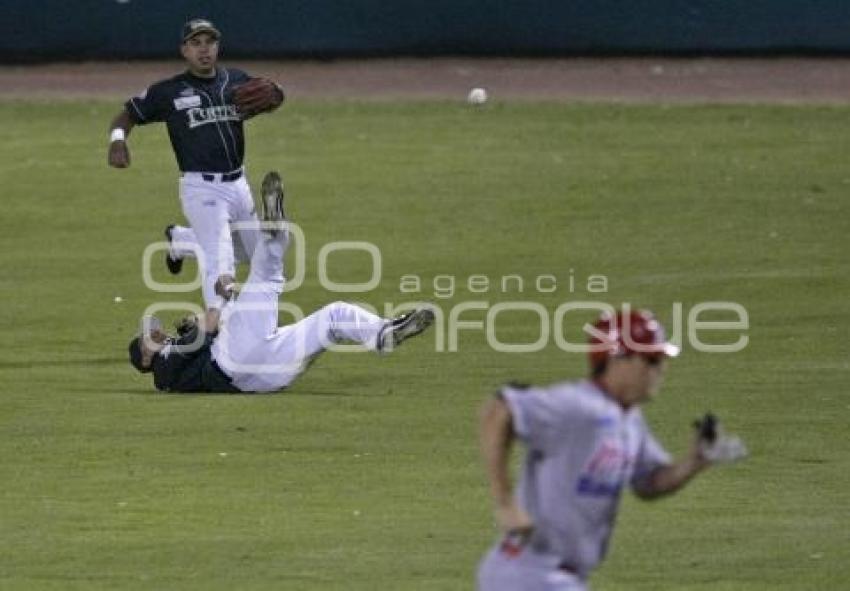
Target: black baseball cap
[196,26]
[147,324]
[136,355]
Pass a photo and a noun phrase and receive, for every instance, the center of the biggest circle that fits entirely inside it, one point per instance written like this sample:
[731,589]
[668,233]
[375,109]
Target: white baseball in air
[477,96]
[118,299]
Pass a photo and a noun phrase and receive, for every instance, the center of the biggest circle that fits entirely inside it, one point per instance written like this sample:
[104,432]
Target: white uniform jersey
[583,448]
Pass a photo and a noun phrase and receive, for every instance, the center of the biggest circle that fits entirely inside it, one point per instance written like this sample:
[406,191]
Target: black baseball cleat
[401,328]
[272,195]
[175,265]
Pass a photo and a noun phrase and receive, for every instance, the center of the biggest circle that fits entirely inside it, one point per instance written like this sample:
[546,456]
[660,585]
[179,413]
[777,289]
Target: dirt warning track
[721,80]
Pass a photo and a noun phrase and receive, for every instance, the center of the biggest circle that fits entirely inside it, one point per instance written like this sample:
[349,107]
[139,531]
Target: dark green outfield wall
[80,29]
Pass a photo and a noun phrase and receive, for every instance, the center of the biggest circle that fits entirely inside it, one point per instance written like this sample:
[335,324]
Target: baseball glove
[186,325]
[257,95]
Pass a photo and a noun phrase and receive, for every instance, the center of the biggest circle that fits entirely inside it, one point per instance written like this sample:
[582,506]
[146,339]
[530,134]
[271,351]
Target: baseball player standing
[585,442]
[204,109]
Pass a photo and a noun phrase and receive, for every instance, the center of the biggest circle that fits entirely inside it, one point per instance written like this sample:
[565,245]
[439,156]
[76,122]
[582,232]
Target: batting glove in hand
[715,445]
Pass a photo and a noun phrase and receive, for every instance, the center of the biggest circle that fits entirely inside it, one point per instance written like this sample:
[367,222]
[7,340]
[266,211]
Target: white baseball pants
[210,207]
[527,571]
[258,355]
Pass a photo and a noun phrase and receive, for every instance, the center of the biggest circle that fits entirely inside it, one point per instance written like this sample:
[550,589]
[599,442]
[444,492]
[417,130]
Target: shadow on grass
[306,392]
[40,363]
[151,391]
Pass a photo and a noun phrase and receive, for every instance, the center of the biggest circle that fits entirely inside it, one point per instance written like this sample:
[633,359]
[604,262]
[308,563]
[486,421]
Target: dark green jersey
[187,366]
[205,129]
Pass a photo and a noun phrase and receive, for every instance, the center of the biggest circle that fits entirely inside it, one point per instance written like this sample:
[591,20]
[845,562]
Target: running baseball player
[585,441]
[204,109]
[250,353]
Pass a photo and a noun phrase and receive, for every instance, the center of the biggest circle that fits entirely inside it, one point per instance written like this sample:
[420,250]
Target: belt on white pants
[215,177]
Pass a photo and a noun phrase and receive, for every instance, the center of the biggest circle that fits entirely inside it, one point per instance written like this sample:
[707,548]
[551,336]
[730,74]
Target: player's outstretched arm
[711,445]
[670,478]
[119,153]
[495,440]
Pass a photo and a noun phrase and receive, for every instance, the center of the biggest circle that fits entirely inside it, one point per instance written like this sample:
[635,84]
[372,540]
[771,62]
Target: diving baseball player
[585,442]
[204,109]
[250,353]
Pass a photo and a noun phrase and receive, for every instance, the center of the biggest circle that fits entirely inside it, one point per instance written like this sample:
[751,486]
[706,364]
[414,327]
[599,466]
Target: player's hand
[119,154]
[513,520]
[713,445]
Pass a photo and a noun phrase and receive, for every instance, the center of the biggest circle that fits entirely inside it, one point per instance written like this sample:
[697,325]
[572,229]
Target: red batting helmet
[629,331]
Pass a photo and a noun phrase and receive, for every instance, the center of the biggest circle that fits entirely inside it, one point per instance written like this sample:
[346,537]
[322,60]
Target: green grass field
[365,474]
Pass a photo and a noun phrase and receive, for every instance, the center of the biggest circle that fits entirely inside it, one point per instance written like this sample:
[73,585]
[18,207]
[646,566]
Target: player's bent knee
[334,308]
[334,314]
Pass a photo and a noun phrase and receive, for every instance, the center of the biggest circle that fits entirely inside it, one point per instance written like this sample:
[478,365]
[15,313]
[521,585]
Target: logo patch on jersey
[606,472]
[605,422]
[187,91]
[187,102]
[202,116]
